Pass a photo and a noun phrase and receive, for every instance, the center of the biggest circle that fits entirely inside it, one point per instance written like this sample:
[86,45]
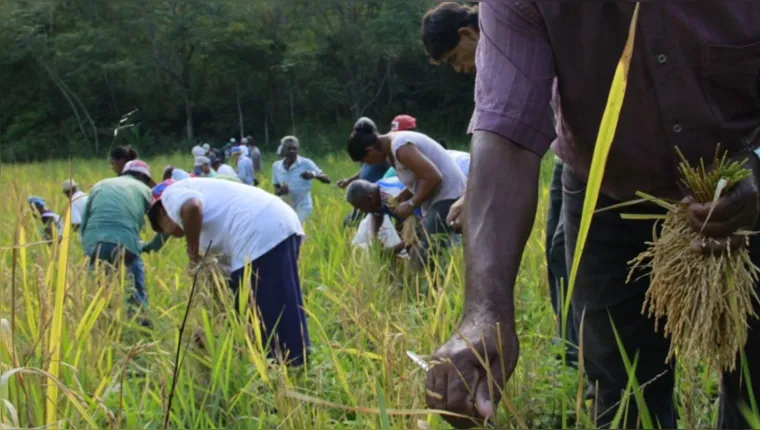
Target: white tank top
[453,184]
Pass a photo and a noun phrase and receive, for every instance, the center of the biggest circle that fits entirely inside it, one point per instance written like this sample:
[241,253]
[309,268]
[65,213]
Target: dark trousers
[602,292]
[557,266]
[276,292]
[111,256]
[434,232]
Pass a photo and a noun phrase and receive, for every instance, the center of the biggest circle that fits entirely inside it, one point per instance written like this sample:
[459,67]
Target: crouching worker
[247,227]
[111,224]
[377,200]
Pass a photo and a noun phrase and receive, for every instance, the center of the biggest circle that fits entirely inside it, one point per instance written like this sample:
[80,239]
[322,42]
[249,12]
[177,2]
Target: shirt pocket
[731,81]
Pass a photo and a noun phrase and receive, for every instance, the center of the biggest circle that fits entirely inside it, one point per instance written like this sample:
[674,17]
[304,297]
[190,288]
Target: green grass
[363,318]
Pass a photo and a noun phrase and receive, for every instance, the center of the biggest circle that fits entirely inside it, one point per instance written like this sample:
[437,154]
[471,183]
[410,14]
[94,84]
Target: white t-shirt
[226,169]
[462,159]
[242,223]
[453,184]
[78,204]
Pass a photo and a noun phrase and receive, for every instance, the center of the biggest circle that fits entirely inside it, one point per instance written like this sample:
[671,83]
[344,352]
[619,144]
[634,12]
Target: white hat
[69,185]
[233,140]
[180,175]
[199,161]
[244,141]
[137,166]
[198,151]
[206,147]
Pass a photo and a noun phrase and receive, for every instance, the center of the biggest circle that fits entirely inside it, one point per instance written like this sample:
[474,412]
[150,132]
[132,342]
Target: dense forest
[208,71]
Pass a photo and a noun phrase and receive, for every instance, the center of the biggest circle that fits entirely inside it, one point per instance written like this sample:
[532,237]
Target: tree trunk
[189,117]
[240,112]
[266,124]
[292,112]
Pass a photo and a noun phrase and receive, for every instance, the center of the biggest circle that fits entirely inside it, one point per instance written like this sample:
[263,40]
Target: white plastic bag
[388,236]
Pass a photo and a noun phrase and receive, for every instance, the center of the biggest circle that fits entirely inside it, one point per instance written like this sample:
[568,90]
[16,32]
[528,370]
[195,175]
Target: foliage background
[208,71]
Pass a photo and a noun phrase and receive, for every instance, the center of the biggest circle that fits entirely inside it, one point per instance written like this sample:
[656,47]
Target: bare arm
[191,214]
[322,177]
[404,195]
[499,213]
[428,176]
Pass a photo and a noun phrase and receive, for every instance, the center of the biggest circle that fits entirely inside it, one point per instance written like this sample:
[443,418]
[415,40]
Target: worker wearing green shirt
[111,224]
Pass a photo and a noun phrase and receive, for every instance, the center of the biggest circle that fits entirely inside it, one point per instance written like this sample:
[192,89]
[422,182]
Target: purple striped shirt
[694,82]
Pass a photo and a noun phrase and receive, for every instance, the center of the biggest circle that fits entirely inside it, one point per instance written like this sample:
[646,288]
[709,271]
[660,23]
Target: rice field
[70,357]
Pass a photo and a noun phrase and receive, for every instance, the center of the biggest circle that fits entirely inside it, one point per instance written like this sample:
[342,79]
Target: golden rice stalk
[411,225]
[706,301]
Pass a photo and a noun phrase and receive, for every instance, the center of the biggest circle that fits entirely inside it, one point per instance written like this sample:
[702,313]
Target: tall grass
[363,317]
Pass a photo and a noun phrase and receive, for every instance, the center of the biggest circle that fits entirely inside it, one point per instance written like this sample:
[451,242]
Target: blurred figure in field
[203,168]
[221,168]
[78,201]
[248,228]
[255,154]
[292,178]
[111,224]
[119,156]
[244,165]
[52,224]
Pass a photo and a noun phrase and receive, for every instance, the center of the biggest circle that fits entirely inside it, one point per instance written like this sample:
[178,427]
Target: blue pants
[113,255]
[276,291]
[557,264]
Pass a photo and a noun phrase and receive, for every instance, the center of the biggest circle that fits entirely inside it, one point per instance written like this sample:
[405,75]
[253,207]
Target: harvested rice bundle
[706,301]
[409,230]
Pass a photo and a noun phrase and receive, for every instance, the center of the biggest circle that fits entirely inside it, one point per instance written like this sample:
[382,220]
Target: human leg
[610,308]
[434,232]
[278,296]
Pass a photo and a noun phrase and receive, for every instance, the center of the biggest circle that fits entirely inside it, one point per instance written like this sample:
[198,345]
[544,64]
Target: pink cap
[137,166]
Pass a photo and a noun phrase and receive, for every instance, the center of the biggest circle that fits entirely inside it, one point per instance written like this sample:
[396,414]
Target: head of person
[251,142]
[364,145]
[38,204]
[206,148]
[216,163]
[290,147]
[119,156]
[235,154]
[159,219]
[364,195]
[70,187]
[450,33]
[203,164]
[168,171]
[139,170]
[404,123]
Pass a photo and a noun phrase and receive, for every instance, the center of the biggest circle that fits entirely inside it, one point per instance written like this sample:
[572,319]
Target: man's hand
[405,210]
[455,218]
[308,175]
[458,382]
[283,190]
[343,183]
[736,210]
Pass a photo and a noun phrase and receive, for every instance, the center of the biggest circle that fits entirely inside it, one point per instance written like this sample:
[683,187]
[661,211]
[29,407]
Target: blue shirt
[390,188]
[373,173]
[298,187]
[245,170]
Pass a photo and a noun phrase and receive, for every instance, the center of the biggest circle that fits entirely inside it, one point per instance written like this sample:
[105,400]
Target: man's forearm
[500,209]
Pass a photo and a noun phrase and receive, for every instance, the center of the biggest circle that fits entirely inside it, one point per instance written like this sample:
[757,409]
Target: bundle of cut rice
[706,301]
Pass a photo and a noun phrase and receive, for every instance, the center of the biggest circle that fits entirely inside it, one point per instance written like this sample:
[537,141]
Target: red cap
[403,122]
[156,194]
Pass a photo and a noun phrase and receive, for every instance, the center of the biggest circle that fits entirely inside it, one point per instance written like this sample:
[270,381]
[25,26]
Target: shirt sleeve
[173,199]
[515,67]
[313,166]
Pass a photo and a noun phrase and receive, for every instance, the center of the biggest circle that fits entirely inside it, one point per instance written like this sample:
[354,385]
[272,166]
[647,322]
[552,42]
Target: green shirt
[115,213]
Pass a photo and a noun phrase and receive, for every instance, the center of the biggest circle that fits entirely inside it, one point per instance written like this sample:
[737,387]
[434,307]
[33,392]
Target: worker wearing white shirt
[292,178]
[246,226]
[78,202]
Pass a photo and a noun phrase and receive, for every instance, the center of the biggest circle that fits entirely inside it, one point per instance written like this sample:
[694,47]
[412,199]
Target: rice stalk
[706,301]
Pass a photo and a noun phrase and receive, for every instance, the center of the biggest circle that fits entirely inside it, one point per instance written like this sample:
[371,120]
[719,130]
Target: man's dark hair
[359,190]
[440,27]
[363,136]
[168,171]
[126,153]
